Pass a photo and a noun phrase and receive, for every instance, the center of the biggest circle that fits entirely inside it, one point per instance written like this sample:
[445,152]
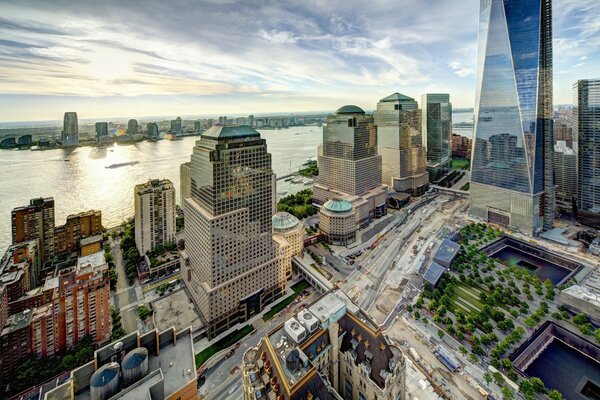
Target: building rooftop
[349,109]
[231,132]
[434,273]
[283,221]
[94,262]
[17,321]
[395,97]
[338,205]
[447,252]
[90,240]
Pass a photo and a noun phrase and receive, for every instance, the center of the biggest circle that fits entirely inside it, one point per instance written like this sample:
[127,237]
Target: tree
[507,394]
[143,312]
[440,333]
[555,395]
[487,377]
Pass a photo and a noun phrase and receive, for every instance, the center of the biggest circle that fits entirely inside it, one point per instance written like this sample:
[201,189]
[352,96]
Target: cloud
[460,70]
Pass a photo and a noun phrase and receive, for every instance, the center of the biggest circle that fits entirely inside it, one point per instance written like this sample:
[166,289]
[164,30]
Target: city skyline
[79,59]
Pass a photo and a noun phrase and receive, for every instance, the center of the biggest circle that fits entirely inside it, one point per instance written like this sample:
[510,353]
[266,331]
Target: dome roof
[230,132]
[338,205]
[349,109]
[283,221]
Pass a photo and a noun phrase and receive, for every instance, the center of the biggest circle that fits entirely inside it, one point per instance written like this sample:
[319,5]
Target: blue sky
[139,58]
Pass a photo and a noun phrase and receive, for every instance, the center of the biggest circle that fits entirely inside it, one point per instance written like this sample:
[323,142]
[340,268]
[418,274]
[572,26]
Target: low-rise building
[288,235]
[158,264]
[150,366]
[337,222]
[330,350]
[446,253]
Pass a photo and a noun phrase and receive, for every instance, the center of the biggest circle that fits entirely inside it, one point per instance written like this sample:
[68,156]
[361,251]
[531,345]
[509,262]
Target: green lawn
[297,288]
[224,343]
[466,299]
[461,163]
[465,187]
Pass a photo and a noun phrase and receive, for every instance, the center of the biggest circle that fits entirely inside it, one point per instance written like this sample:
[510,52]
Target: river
[83,183]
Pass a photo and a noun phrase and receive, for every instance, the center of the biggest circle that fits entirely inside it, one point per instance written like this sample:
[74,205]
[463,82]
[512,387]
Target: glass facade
[513,146]
[586,127]
[437,133]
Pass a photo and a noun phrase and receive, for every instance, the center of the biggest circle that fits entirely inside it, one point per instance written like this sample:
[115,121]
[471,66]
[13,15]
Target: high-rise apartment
[153,132]
[512,179]
[154,203]
[176,125]
[586,128]
[563,130]
[132,127]
[231,268]
[67,237]
[101,129]
[70,132]
[35,221]
[329,350]
[565,167]
[437,133]
[398,121]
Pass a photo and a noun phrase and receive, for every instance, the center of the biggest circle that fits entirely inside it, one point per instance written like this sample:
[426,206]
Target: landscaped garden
[222,344]
[297,288]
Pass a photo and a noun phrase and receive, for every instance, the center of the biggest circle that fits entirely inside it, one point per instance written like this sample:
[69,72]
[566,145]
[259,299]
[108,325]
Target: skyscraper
[512,181]
[349,174]
[586,128]
[154,203]
[35,221]
[398,121]
[101,129]
[70,132]
[437,133]
[565,166]
[230,266]
[132,127]
[176,125]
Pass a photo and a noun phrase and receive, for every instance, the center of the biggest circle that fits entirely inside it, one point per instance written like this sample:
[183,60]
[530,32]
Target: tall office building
[101,129]
[230,267]
[563,130]
[437,133]
[152,129]
[586,128]
[398,121]
[185,182]
[512,179]
[565,167]
[349,185]
[154,204]
[132,127]
[35,221]
[70,132]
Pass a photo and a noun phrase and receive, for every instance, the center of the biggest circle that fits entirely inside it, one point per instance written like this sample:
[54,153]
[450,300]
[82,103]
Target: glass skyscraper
[437,133]
[513,154]
[586,128]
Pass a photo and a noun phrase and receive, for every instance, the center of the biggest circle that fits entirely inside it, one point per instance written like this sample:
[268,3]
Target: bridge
[15,141]
[311,275]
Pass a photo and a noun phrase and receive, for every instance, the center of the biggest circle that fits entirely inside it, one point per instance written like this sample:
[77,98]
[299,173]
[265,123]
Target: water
[565,369]
[83,182]
[543,269]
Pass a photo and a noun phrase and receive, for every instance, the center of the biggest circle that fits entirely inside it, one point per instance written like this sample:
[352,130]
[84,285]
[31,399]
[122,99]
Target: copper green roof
[283,221]
[349,109]
[338,205]
[396,97]
[230,132]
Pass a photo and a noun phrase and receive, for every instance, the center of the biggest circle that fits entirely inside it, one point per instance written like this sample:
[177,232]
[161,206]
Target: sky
[197,57]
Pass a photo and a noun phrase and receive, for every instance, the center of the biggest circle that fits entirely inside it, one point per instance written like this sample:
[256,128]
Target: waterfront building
[565,166]
[329,350]
[185,172]
[68,237]
[437,134]
[349,165]
[132,127]
[15,344]
[153,132]
[461,147]
[398,121]
[70,132]
[154,365]
[35,221]
[586,127]
[230,267]
[101,129]
[154,203]
[512,178]
[251,120]
[198,126]
[176,126]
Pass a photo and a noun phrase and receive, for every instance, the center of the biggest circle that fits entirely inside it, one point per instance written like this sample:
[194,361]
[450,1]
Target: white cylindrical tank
[134,365]
[104,383]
